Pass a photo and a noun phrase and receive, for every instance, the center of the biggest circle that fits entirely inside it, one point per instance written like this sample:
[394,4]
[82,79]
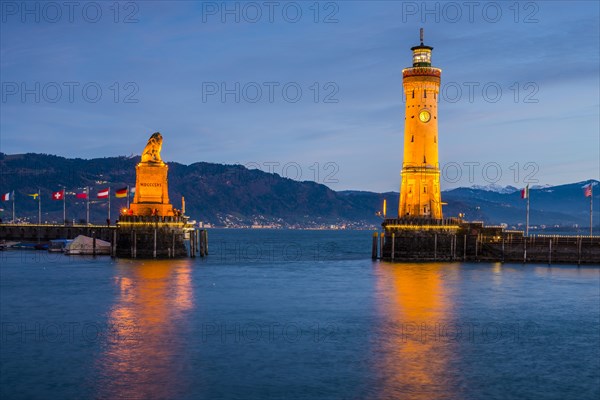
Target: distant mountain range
[232,195]
[494,187]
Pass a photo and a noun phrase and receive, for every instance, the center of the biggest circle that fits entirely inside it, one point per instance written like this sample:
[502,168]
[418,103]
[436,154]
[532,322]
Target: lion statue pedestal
[151,187]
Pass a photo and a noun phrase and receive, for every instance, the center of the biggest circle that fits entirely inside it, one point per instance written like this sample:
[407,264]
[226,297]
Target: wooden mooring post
[173,244]
[200,243]
[192,243]
[94,243]
[154,247]
[205,233]
[454,243]
[374,247]
[202,247]
[113,249]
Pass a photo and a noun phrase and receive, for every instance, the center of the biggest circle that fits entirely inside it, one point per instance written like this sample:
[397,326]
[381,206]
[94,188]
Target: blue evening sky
[160,72]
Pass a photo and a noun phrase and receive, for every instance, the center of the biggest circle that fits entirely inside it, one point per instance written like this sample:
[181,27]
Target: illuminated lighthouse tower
[420,188]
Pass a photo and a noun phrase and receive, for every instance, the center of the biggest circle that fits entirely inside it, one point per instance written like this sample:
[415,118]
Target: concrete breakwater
[132,237]
[44,232]
[452,240]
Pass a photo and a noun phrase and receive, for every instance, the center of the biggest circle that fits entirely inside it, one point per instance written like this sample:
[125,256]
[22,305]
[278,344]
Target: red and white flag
[58,195]
[525,192]
[6,196]
[587,190]
[103,194]
[82,195]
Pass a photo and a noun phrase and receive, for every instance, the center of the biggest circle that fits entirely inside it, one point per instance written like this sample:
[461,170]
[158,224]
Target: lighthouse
[421,233]
[420,195]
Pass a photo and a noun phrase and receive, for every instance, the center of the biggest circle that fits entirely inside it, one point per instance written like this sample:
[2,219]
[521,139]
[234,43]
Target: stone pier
[448,240]
[151,237]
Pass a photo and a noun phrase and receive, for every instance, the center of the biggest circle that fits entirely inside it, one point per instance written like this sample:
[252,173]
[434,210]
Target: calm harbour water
[295,315]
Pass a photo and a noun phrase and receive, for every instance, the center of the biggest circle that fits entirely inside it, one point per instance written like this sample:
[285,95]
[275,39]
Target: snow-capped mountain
[493,187]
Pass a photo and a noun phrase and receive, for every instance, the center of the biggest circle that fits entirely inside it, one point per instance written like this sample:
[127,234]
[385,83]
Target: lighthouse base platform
[450,240]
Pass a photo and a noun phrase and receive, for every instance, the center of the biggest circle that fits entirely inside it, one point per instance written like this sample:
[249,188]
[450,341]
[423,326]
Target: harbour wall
[475,242]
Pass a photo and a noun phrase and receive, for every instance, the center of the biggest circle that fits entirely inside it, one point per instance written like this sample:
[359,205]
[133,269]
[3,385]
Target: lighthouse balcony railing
[152,219]
[422,221]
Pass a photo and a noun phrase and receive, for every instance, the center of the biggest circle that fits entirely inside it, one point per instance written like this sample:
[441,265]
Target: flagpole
[64,193]
[87,205]
[527,222]
[13,216]
[39,207]
[108,206]
[128,197]
[591,209]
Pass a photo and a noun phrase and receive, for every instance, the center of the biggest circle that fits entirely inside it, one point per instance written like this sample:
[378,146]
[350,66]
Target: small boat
[41,246]
[4,245]
[24,246]
[59,245]
[84,245]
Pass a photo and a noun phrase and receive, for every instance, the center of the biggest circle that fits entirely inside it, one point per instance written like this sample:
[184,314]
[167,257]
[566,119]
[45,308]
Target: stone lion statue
[151,152]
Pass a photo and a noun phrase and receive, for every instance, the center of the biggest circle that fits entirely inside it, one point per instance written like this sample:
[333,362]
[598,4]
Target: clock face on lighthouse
[424,116]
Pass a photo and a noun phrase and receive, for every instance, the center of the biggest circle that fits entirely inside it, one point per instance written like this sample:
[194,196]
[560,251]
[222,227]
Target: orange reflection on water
[416,338]
[142,352]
